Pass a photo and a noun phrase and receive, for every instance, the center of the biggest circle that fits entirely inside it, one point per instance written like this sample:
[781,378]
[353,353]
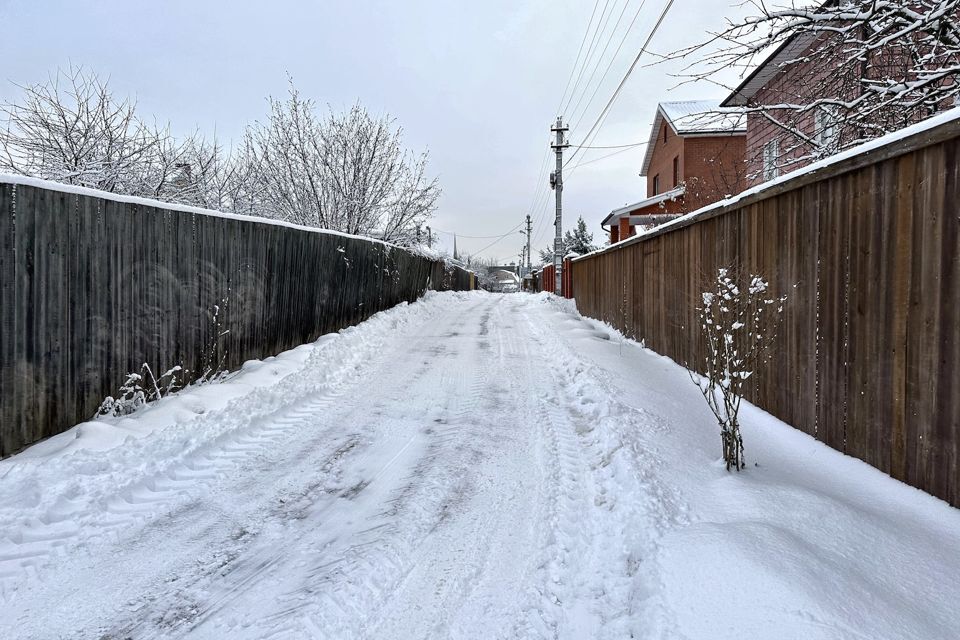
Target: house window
[664,134]
[656,184]
[826,124]
[676,170]
[771,156]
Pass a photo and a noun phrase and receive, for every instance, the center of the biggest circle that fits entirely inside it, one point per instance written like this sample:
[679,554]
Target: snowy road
[471,466]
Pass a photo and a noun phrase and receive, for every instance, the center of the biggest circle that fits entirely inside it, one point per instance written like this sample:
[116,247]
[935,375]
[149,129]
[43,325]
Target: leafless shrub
[738,319]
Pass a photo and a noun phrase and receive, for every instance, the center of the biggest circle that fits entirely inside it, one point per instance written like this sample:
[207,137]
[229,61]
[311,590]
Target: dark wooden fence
[867,359]
[93,287]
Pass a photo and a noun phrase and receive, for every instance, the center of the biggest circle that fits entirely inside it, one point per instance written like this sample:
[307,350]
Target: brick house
[805,68]
[695,156]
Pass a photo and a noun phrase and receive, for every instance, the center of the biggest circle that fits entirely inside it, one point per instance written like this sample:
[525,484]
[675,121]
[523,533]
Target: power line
[498,239]
[616,146]
[604,157]
[460,235]
[606,109]
[586,60]
[586,86]
[612,60]
[596,3]
[539,192]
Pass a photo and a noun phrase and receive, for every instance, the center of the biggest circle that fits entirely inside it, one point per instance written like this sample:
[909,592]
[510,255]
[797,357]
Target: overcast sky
[476,83]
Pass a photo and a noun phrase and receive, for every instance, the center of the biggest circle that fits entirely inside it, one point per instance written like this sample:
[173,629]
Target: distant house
[695,156]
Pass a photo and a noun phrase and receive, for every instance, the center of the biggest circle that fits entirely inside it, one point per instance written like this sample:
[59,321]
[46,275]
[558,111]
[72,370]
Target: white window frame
[771,159]
[826,128]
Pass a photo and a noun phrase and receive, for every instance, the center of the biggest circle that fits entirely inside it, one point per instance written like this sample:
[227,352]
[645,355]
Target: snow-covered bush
[139,389]
[738,318]
[144,387]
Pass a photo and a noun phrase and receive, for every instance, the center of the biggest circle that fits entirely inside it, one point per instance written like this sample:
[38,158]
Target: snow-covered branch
[852,69]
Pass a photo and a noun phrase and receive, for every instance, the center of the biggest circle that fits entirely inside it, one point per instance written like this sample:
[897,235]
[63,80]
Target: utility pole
[429,238]
[556,183]
[529,231]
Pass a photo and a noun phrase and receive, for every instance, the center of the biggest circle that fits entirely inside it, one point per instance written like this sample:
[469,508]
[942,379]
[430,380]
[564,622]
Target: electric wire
[606,71]
[596,66]
[460,235]
[583,40]
[586,60]
[615,146]
[497,240]
[603,157]
[606,109]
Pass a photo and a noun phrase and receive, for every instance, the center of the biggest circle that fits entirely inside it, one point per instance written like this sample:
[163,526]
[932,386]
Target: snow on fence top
[160,204]
[915,131]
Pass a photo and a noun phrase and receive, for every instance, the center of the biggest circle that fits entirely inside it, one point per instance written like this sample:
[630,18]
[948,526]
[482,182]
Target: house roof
[694,118]
[789,49]
[673,194]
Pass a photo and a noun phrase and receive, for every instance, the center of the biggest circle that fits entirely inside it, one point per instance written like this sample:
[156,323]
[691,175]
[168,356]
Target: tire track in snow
[482,513]
[585,426]
[352,588]
[250,428]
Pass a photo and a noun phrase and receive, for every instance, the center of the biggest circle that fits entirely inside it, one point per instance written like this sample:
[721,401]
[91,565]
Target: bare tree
[287,154]
[738,328]
[860,68]
[348,171]
[71,129]
[414,200]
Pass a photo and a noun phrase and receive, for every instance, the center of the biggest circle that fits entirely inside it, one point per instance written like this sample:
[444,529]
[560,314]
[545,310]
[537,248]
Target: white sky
[476,83]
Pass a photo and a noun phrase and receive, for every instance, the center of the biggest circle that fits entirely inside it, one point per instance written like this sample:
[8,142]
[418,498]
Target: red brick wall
[548,279]
[662,159]
[614,233]
[805,82]
[713,168]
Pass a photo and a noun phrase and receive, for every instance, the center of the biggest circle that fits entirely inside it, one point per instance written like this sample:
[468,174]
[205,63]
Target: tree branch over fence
[859,68]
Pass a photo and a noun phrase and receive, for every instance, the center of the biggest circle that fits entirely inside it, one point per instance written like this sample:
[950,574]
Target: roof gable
[694,118]
[767,70]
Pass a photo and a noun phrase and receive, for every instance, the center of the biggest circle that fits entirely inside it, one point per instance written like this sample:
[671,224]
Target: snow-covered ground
[469,466]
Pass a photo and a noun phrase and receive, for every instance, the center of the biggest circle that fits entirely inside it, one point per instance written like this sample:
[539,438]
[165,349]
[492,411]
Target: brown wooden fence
[92,287]
[868,251]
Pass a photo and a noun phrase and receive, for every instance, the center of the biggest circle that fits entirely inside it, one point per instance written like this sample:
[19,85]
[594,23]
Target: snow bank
[805,543]
[55,495]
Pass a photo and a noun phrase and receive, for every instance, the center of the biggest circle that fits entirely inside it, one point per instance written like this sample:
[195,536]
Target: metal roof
[789,49]
[673,194]
[694,118]
[703,116]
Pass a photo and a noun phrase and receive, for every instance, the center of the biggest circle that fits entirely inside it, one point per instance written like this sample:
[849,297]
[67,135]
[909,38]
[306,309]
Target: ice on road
[469,466]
